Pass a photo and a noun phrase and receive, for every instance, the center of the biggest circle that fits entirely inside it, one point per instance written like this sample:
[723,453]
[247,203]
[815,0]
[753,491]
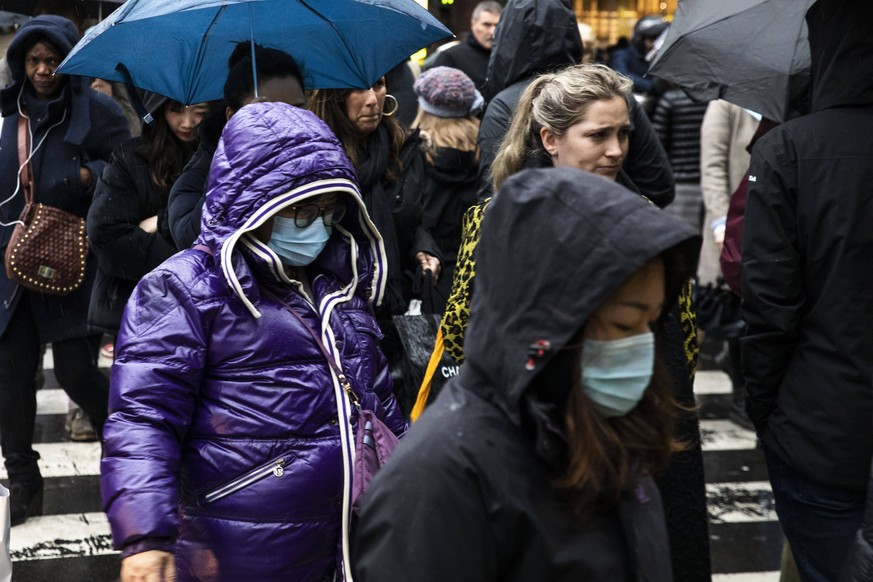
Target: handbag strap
[341,376]
[23,161]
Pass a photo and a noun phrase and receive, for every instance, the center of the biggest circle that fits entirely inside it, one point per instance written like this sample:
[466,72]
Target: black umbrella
[84,8]
[753,53]
[11,20]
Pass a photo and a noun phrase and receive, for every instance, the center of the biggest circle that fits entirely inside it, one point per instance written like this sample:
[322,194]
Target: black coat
[807,280]
[125,196]
[468,494]
[468,56]
[451,190]
[187,197]
[89,126]
[396,208]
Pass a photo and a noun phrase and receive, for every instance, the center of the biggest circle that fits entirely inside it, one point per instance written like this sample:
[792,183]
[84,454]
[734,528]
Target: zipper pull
[344,382]
[279,469]
[369,440]
[8,302]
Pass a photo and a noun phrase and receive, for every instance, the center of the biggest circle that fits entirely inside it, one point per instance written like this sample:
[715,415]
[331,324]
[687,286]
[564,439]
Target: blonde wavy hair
[556,101]
[459,133]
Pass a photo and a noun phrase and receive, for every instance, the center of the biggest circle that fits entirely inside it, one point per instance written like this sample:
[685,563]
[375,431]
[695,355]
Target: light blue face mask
[298,247]
[615,374]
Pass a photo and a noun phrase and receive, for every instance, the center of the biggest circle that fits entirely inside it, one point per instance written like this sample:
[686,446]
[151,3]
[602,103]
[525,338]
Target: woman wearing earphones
[67,133]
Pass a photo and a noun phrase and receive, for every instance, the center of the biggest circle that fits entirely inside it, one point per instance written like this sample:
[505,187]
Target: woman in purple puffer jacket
[227,451]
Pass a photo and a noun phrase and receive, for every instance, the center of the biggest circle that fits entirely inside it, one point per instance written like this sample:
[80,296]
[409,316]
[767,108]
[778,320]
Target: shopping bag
[416,335]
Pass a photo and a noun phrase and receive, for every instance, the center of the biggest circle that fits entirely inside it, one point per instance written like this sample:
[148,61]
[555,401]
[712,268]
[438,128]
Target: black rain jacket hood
[842,55]
[556,242]
[532,37]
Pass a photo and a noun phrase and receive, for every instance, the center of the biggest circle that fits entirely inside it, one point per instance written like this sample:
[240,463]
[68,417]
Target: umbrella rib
[201,51]
[332,25]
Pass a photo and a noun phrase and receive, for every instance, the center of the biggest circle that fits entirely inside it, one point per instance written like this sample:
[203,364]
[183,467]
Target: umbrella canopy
[753,53]
[179,48]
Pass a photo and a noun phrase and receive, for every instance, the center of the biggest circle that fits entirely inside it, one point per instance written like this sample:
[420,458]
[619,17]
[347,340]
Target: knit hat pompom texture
[447,92]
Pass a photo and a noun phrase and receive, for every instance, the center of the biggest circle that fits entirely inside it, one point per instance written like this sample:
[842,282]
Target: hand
[429,263]
[150,566]
[150,224]
[718,236]
[85,177]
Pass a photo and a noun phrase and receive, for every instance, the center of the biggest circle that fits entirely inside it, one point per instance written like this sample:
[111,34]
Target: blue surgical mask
[298,247]
[615,374]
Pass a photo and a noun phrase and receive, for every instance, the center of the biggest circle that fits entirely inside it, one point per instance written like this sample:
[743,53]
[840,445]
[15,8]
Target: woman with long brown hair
[536,463]
[390,166]
[127,223]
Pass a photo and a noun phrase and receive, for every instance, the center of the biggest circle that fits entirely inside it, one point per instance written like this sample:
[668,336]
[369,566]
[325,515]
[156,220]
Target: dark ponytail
[271,64]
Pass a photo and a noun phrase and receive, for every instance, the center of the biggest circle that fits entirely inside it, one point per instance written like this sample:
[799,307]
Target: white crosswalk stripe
[73,535]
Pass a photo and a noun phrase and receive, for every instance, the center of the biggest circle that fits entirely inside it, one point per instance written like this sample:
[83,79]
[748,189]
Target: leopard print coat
[454,322]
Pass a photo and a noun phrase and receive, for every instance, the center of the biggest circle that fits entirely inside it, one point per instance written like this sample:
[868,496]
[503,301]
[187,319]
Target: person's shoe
[79,427]
[25,500]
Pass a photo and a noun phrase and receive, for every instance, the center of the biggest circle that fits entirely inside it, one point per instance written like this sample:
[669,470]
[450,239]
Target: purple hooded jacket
[229,438]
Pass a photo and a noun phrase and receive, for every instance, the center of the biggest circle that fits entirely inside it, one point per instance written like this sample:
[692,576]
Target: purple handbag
[374,444]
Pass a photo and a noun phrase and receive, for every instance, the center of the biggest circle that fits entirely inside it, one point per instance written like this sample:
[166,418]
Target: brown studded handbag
[49,246]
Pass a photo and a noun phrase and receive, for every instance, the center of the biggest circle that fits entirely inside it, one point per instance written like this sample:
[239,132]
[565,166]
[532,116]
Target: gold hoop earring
[396,106]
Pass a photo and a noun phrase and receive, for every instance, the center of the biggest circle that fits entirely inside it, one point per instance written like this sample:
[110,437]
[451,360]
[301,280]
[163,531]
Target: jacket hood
[548,32]
[273,155]
[841,46]
[555,243]
[57,30]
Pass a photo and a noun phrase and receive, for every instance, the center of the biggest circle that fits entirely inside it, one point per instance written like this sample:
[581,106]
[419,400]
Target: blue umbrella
[179,48]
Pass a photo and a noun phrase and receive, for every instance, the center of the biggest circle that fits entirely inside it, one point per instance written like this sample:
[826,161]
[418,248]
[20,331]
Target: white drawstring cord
[31,154]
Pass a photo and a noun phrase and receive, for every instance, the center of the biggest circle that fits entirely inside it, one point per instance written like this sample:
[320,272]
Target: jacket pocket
[275,468]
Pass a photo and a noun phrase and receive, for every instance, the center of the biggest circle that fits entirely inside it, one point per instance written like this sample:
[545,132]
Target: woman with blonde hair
[448,102]
[585,108]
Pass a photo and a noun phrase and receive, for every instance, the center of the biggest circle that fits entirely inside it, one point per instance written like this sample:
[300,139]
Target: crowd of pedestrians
[249,258]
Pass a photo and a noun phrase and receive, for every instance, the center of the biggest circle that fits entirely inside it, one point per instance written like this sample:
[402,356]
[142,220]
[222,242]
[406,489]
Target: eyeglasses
[305,214]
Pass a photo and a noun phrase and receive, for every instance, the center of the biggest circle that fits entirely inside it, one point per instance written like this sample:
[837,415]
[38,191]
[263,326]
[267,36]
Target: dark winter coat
[807,244]
[81,127]
[125,196]
[396,210]
[451,190]
[187,195]
[550,31]
[631,64]
[677,121]
[228,438]
[468,56]
[476,469]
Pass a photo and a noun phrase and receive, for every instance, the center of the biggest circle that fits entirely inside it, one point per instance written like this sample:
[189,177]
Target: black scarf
[372,167]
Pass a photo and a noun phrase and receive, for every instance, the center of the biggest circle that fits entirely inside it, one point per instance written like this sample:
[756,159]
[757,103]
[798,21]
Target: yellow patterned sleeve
[688,320]
[454,322]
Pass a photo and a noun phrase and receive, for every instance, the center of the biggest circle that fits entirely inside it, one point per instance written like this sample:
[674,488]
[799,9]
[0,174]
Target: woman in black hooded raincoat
[481,488]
